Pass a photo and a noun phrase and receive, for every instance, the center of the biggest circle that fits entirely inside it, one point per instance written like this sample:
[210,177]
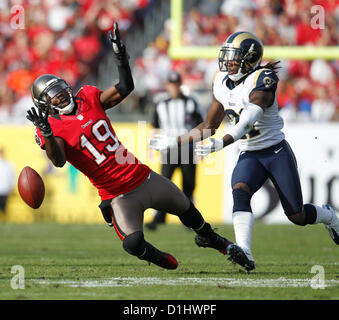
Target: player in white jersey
[246,93]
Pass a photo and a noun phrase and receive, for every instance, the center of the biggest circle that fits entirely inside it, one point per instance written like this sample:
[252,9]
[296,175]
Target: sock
[318,214]
[206,231]
[192,218]
[243,222]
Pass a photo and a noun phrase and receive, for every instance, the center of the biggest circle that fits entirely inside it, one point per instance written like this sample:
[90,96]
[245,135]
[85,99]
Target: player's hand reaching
[40,120]
[119,48]
[203,150]
[161,142]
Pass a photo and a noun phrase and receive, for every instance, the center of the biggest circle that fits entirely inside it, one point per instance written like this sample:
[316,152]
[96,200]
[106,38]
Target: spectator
[323,108]
[60,37]
[278,23]
[321,71]
[64,37]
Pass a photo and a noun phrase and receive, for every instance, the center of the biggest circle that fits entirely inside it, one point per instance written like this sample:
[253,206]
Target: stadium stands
[276,23]
[63,37]
[67,37]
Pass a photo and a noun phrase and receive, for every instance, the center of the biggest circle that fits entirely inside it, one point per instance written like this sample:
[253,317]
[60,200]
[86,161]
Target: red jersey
[92,147]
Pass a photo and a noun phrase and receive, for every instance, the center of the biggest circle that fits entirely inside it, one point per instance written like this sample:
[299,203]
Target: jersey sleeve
[39,139]
[265,80]
[94,91]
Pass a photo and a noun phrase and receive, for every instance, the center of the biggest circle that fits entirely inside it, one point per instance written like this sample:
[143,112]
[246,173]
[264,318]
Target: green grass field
[88,262]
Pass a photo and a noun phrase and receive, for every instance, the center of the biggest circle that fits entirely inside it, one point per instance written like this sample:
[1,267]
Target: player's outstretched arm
[115,94]
[55,150]
[202,131]
[259,101]
[54,145]
[206,128]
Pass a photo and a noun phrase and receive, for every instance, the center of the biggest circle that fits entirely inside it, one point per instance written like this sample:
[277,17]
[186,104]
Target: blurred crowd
[307,90]
[62,37]
[68,38]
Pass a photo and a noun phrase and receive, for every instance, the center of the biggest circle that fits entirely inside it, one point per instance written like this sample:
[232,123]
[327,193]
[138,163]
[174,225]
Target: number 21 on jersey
[102,133]
[233,116]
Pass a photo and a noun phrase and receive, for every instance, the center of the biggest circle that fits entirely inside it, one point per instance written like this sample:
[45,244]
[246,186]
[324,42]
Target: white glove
[203,150]
[161,142]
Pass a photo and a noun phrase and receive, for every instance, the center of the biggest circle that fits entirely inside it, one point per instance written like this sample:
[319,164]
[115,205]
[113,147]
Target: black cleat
[161,259]
[215,241]
[237,255]
[226,247]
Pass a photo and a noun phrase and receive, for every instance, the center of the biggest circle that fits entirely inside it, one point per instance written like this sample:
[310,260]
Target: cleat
[238,255]
[219,243]
[161,259]
[333,227]
[226,247]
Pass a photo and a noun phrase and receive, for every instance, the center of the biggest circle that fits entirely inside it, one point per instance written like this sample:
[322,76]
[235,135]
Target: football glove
[119,49]
[40,120]
[203,150]
[161,142]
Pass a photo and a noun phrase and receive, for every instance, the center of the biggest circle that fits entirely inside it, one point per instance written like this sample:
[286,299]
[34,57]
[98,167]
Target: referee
[174,116]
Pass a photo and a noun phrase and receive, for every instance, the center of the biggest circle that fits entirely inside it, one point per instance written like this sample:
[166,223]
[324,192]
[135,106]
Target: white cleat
[237,255]
[333,227]
[248,254]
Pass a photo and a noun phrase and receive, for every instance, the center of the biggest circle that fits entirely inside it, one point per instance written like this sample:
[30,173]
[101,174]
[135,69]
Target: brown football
[31,187]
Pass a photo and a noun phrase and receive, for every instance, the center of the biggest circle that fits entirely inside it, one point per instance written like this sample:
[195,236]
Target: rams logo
[268,82]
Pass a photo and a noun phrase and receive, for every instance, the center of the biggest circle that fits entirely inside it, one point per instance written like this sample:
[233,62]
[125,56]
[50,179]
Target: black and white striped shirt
[177,116]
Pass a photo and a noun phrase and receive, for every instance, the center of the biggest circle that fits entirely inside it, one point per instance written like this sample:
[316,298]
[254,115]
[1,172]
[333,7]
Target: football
[31,187]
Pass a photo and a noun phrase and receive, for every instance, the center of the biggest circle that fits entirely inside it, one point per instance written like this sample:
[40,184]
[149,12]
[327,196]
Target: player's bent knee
[298,219]
[243,186]
[241,200]
[134,243]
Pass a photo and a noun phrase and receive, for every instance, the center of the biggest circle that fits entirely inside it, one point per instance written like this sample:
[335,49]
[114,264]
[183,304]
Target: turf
[88,262]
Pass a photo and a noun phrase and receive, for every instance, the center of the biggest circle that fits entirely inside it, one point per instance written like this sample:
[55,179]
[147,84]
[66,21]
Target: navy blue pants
[277,163]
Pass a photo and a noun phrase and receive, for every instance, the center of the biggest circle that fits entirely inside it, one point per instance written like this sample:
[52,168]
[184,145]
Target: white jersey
[266,132]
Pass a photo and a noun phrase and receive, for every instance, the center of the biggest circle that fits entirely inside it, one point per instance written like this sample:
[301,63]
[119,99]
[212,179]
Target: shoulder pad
[215,75]
[266,80]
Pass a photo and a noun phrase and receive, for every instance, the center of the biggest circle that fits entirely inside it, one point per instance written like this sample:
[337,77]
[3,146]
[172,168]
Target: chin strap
[237,76]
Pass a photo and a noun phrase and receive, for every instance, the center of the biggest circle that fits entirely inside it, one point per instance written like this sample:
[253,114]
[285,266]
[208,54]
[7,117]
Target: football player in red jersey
[76,129]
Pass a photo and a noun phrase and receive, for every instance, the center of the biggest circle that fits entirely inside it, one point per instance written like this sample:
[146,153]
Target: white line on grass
[225,282]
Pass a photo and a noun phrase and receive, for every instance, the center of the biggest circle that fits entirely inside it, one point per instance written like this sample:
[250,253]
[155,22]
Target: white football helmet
[243,47]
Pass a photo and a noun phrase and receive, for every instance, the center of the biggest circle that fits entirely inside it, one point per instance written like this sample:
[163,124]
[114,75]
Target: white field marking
[226,282]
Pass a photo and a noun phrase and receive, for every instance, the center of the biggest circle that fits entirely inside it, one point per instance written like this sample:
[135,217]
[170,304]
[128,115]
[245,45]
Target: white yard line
[223,282]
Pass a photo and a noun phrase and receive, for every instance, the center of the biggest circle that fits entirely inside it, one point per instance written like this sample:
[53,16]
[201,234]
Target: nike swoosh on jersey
[268,72]
[277,151]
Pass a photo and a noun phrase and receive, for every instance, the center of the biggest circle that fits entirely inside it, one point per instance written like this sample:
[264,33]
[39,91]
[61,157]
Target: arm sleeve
[248,117]
[126,84]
